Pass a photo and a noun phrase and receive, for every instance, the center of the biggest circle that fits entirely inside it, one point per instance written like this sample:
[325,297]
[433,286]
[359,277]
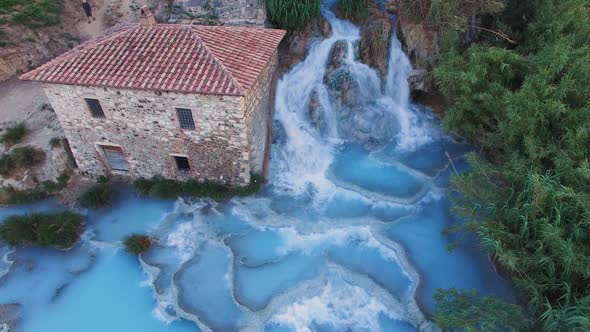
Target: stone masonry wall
[258,113]
[220,12]
[146,127]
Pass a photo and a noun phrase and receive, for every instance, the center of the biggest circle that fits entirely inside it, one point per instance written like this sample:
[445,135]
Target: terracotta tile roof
[167,57]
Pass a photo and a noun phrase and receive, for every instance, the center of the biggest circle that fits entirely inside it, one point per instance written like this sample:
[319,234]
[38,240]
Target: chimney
[146,18]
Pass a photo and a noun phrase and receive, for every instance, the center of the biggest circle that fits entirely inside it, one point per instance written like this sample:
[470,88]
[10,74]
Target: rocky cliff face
[23,48]
[376,32]
[219,12]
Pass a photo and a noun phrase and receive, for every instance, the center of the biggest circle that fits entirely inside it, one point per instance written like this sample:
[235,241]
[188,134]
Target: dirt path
[107,13]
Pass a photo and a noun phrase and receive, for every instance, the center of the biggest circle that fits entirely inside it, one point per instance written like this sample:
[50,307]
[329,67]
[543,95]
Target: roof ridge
[217,60]
[83,47]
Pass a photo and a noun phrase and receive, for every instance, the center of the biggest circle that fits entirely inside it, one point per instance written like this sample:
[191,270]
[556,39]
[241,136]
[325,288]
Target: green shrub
[14,135]
[6,164]
[35,13]
[55,142]
[469,311]
[23,157]
[27,155]
[137,243]
[353,9]
[97,196]
[293,14]
[452,14]
[57,185]
[164,188]
[9,195]
[527,195]
[56,230]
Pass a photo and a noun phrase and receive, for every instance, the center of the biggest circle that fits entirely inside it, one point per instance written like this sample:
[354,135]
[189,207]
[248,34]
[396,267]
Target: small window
[182,164]
[95,108]
[185,117]
[116,158]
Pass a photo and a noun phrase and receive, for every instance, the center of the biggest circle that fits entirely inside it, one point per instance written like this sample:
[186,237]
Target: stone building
[180,101]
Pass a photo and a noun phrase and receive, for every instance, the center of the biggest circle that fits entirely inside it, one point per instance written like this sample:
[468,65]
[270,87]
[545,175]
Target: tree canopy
[528,193]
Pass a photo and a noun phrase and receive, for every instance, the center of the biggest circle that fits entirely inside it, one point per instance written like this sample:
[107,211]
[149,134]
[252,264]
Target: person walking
[88,11]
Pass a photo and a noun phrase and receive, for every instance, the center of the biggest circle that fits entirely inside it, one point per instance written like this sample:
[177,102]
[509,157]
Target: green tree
[528,193]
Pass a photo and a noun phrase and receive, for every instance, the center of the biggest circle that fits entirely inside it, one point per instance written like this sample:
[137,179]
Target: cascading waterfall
[380,116]
[347,236]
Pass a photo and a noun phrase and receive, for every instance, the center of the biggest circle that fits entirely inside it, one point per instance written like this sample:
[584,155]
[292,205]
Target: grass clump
[137,243]
[55,142]
[18,158]
[9,195]
[159,187]
[14,134]
[293,14]
[55,230]
[353,9]
[57,185]
[98,196]
[32,13]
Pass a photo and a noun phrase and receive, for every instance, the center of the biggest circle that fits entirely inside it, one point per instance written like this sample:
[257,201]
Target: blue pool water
[346,235]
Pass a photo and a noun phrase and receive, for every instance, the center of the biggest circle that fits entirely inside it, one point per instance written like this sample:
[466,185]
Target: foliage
[137,243]
[293,14]
[14,135]
[453,14]
[9,195]
[354,9]
[57,185]
[469,311]
[19,158]
[12,196]
[32,13]
[164,188]
[529,200]
[97,196]
[59,230]
[55,142]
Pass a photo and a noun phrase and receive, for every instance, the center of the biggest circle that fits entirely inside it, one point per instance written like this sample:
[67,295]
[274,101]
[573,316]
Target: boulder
[337,56]
[375,39]
[421,43]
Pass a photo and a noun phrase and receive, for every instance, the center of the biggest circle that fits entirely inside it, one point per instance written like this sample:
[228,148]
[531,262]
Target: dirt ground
[107,13]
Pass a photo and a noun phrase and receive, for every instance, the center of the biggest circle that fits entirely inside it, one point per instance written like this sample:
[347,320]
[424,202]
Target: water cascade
[346,236]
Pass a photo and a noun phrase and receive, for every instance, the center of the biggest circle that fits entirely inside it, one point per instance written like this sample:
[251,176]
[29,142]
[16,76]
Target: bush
[137,243]
[27,155]
[353,9]
[97,196]
[58,230]
[527,194]
[9,195]
[14,135]
[293,14]
[452,14]
[158,187]
[469,311]
[35,13]
[55,142]
[55,186]
[19,158]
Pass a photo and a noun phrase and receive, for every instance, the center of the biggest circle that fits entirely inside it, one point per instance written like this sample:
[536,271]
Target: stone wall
[258,114]
[219,12]
[145,125]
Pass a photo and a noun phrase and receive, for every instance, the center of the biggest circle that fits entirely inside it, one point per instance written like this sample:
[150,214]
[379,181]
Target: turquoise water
[346,236]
